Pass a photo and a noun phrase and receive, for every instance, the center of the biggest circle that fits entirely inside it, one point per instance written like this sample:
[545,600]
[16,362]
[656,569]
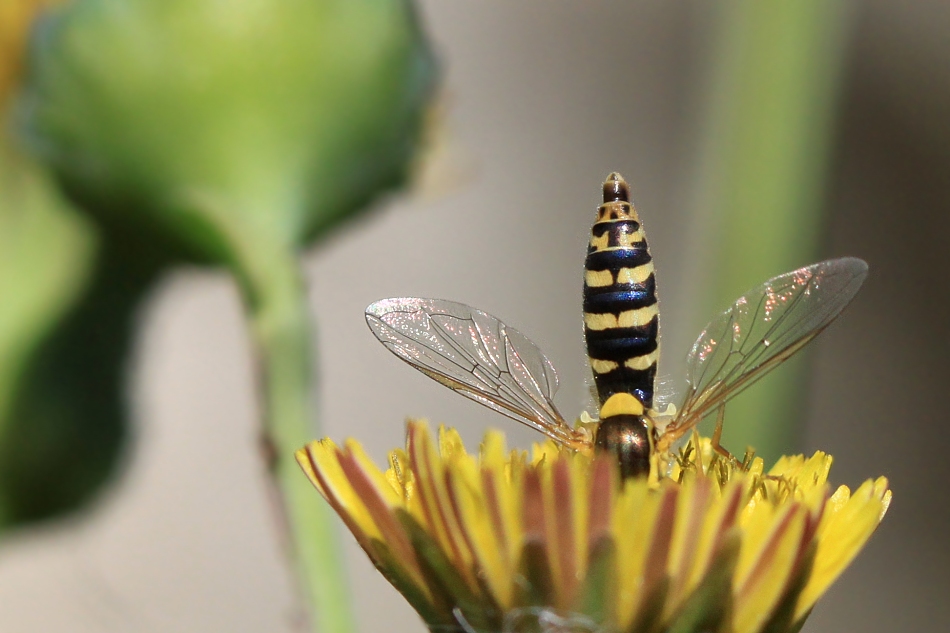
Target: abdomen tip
[616,189]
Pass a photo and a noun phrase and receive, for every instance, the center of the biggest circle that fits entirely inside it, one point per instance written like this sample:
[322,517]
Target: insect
[478,356]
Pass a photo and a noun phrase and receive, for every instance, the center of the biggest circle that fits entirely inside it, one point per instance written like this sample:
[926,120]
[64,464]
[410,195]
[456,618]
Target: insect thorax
[630,439]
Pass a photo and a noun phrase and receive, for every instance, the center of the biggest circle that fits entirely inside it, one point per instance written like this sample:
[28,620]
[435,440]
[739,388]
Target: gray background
[535,120]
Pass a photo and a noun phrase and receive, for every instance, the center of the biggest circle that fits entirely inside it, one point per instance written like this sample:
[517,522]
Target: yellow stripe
[631,239]
[602,366]
[627,318]
[642,362]
[600,243]
[623,210]
[634,318]
[634,275]
[598,278]
[600,321]
[621,404]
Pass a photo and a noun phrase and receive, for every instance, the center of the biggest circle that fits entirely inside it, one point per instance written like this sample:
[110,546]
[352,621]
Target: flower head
[507,541]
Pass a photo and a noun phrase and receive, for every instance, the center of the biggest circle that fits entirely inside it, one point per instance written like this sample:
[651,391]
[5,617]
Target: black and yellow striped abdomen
[621,322]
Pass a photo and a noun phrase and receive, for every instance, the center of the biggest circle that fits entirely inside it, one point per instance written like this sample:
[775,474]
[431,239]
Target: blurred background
[539,101]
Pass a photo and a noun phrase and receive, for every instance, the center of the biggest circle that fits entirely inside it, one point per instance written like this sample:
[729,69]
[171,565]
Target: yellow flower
[506,542]
[16,16]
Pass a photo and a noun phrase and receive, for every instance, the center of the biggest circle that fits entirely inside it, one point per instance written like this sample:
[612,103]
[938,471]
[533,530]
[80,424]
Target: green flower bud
[223,123]
[48,423]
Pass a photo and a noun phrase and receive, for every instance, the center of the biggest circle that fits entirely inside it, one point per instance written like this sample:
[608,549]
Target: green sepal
[781,620]
[651,616]
[68,422]
[68,303]
[598,594]
[46,260]
[537,586]
[382,557]
[708,608]
[480,612]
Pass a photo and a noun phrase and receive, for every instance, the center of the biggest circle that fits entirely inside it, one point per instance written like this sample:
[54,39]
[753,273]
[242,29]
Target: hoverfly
[480,357]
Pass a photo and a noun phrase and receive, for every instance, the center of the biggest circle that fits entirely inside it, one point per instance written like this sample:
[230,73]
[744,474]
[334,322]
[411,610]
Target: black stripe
[616,298]
[637,382]
[620,344]
[622,226]
[617,259]
[620,350]
[618,233]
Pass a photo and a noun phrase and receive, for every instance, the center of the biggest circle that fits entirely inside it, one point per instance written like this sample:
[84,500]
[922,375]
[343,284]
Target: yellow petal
[767,564]
[486,542]
[691,513]
[648,561]
[378,479]
[517,531]
[320,463]
[848,523]
[441,519]
[718,523]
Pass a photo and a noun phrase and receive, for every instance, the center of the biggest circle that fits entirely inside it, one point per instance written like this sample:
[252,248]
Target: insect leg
[746,462]
[717,435]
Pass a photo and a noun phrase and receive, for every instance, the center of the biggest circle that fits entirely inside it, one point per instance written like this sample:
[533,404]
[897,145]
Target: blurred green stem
[763,165]
[269,273]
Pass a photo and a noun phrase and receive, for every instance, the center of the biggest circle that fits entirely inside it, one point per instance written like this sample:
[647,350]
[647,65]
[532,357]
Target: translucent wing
[761,329]
[476,355]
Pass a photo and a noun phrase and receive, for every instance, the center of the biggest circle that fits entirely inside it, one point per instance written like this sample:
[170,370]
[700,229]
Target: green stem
[274,291]
[765,149]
